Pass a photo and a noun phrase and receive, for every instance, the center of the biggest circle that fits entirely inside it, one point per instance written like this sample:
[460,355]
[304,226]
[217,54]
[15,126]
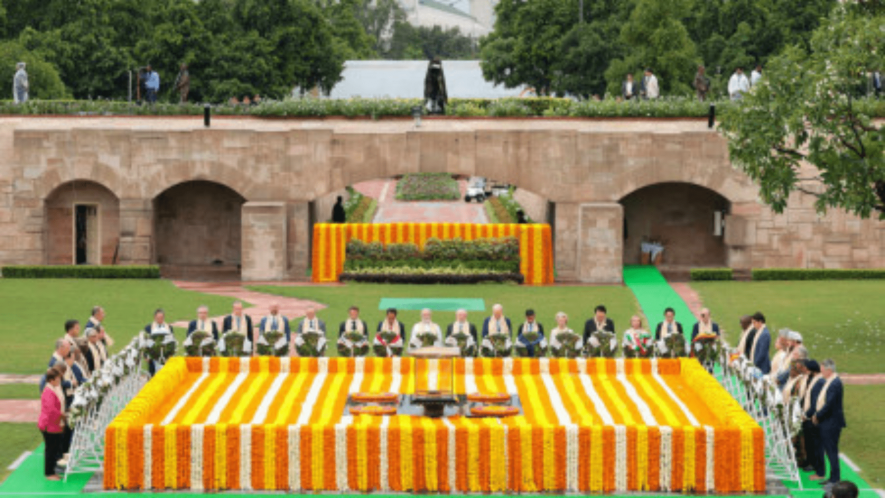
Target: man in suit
[96,321]
[530,325]
[629,88]
[238,321]
[669,326]
[705,325]
[830,419]
[599,322]
[203,323]
[461,325]
[814,453]
[497,323]
[311,322]
[275,322]
[353,323]
[755,343]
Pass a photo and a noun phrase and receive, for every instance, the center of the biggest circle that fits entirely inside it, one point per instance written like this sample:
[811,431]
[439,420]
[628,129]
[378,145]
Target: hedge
[477,278]
[309,107]
[435,250]
[425,264]
[711,274]
[84,271]
[763,274]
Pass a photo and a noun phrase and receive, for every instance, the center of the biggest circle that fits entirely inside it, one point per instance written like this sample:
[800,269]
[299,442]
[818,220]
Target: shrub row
[816,274]
[427,187]
[500,249]
[668,107]
[354,265]
[711,274]
[84,271]
[386,278]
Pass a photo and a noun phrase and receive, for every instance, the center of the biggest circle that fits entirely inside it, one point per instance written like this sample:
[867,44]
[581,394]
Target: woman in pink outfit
[51,422]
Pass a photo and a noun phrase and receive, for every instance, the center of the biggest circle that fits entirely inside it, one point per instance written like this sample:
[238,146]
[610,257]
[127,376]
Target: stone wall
[575,164]
[534,205]
[59,233]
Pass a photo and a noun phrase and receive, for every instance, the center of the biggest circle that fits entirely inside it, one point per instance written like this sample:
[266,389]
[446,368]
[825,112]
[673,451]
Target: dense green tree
[380,19]
[43,80]
[802,128]
[656,38]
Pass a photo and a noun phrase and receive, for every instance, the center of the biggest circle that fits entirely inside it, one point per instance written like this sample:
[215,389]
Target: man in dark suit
[758,343]
[353,323]
[814,453]
[238,321]
[599,322]
[311,322]
[530,325]
[669,326]
[705,324]
[203,323]
[275,322]
[462,325]
[497,322]
[830,420]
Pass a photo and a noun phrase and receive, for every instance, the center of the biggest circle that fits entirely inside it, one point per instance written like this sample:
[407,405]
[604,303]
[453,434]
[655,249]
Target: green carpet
[435,304]
[655,295]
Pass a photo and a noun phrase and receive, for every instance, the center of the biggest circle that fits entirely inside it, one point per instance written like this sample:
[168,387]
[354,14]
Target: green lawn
[577,302]
[17,438]
[843,320]
[862,440]
[34,312]
[19,391]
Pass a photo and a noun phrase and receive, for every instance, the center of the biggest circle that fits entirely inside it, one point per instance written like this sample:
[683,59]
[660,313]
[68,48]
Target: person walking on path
[20,84]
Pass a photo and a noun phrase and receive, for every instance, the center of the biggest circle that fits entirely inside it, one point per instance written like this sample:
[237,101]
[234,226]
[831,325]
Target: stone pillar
[566,242]
[298,240]
[264,239]
[136,232]
[600,243]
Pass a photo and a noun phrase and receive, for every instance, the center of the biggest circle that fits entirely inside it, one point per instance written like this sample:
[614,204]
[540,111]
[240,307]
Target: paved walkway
[392,211]
[20,410]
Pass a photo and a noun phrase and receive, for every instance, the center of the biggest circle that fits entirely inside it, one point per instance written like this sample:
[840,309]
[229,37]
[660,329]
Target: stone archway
[82,224]
[682,215]
[197,228]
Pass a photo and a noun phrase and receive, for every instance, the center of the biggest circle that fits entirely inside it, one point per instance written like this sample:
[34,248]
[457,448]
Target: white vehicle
[476,190]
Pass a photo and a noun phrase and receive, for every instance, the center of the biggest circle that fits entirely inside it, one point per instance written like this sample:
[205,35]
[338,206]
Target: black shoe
[808,468]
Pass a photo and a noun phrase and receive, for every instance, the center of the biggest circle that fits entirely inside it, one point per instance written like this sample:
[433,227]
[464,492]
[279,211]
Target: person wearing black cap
[530,325]
[814,454]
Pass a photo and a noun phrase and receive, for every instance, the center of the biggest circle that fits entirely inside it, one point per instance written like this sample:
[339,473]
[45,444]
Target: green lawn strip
[862,439]
[17,438]
[20,391]
[843,320]
[577,302]
[37,309]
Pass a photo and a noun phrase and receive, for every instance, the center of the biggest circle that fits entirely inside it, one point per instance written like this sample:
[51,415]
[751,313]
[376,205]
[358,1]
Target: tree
[43,80]
[586,52]
[379,19]
[654,37]
[804,129]
[350,35]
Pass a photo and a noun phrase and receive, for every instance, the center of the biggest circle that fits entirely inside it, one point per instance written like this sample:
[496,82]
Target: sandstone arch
[82,224]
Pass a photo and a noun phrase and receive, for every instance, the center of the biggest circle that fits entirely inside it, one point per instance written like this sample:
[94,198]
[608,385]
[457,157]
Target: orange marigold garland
[374,397]
[373,410]
[494,411]
[489,398]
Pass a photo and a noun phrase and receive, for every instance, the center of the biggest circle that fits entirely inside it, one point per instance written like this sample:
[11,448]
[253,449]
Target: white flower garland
[269,397]
[666,457]
[215,414]
[384,464]
[571,433]
[450,431]
[246,457]
[544,366]
[323,365]
[654,366]
[310,400]
[711,452]
[148,458]
[396,374]
[285,365]
[469,377]
[509,382]
[184,399]
[645,412]
[206,364]
[507,366]
[432,374]
[341,456]
[244,364]
[620,458]
[582,365]
[619,366]
[690,416]
[197,457]
[294,458]
[598,404]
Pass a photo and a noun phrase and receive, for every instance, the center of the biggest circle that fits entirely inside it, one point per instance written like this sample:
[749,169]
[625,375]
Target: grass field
[843,320]
[862,440]
[17,438]
[577,302]
[19,391]
[34,312]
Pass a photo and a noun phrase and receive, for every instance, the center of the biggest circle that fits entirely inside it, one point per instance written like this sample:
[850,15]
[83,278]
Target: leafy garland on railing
[771,398]
[91,393]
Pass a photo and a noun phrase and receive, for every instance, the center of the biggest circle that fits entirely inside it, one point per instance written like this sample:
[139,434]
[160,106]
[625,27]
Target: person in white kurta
[426,325]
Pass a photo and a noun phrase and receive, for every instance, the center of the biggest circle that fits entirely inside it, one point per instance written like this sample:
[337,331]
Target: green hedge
[84,271]
[361,265]
[710,274]
[308,107]
[816,274]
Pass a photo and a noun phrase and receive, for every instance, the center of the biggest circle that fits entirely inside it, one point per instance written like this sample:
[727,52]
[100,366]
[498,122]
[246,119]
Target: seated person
[558,349]
[705,325]
[353,323]
[599,322]
[391,324]
[275,322]
[635,335]
[669,326]
[461,325]
[531,325]
[203,323]
[425,333]
[159,324]
[497,323]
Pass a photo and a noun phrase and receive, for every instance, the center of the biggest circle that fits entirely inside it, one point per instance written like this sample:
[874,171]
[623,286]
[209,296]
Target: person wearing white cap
[20,85]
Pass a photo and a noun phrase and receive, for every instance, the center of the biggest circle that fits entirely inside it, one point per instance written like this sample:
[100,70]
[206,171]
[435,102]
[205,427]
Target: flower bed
[427,187]
[330,242]
[588,426]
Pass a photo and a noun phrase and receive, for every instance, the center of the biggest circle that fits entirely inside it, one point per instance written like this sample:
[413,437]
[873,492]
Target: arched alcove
[682,216]
[82,220]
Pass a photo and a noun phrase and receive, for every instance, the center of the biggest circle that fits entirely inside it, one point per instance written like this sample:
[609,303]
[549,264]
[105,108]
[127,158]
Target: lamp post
[416,113]
[206,115]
